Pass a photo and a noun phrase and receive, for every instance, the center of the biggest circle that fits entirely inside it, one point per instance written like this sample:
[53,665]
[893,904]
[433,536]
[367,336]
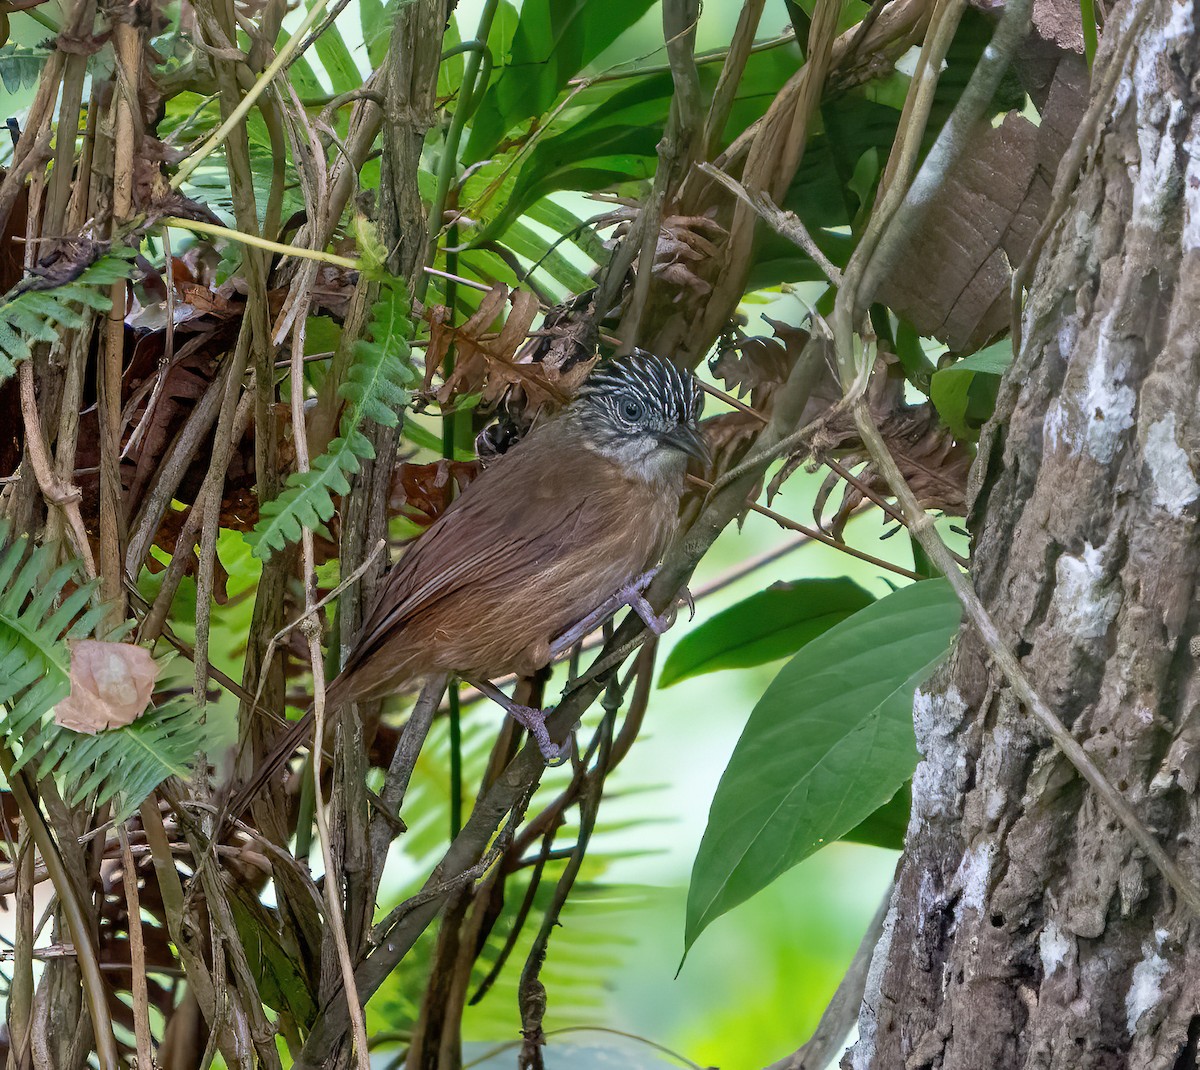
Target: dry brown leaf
[422,492]
[487,362]
[111,685]
[757,366]
[954,279]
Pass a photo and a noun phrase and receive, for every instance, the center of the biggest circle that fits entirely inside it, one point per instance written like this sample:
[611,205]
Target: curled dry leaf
[684,243]
[111,684]
[759,366]
[562,353]
[933,463]
[487,361]
[688,248]
[422,492]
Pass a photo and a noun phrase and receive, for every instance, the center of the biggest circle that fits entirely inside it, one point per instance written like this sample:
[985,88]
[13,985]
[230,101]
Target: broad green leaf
[918,368]
[887,825]
[274,958]
[554,40]
[375,21]
[829,742]
[561,221]
[764,627]
[20,66]
[527,243]
[335,57]
[964,393]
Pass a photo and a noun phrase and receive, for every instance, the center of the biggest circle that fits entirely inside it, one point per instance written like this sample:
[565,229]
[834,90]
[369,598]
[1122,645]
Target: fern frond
[307,497]
[39,612]
[35,620]
[28,316]
[126,764]
[376,387]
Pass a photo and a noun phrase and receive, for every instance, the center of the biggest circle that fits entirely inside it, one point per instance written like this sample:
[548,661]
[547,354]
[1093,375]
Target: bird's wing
[486,533]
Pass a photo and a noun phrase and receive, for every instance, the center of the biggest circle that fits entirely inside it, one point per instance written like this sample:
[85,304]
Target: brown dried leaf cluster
[932,462]
[485,349]
[688,246]
[501,361]
[752,369]
[684,242]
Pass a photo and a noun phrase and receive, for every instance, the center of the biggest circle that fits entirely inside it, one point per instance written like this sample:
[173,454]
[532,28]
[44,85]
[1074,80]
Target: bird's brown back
[511,565]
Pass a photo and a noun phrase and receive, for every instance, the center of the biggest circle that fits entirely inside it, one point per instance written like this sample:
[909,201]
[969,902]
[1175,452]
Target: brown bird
[552,538]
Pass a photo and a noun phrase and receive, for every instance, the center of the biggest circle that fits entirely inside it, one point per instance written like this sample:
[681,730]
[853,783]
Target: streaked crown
[642,392]
[641,410]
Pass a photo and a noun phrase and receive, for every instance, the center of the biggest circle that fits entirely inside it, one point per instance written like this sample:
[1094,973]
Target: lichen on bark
[1026,929]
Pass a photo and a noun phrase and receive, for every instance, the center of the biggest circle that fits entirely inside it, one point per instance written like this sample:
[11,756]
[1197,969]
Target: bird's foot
[657,622]
[533,721]
[602,613]
[530,718]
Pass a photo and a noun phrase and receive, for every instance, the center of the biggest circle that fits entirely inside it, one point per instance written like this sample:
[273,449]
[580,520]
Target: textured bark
[1026,930]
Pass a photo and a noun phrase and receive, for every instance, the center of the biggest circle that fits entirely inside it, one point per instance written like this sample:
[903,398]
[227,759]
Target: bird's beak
[688,440]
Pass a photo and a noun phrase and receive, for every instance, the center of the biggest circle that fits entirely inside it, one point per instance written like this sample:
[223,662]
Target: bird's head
[641,412]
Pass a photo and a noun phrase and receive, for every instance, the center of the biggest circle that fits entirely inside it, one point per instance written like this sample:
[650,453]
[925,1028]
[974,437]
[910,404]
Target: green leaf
[918,368]
[34,660]
[20,66]
[335,57]
[33,311]
[41,607]
[553,42]
[829,742]
[964,393]
[375,21]
[765,627]
[126,764]
[887,825]
[274,957]
[527,243]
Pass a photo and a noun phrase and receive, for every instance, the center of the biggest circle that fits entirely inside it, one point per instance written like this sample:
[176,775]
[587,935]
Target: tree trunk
[1026,929]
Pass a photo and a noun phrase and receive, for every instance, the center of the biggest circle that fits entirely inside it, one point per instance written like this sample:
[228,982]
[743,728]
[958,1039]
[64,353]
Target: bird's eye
[631,410]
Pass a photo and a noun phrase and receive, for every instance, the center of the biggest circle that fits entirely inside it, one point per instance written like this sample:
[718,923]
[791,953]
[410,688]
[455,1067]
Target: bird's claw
[533,720]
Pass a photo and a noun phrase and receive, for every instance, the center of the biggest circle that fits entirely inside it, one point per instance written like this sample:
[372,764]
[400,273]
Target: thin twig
[863,489]
[470,283]
[785,223]
[815,535]
[284,56]
[77,917]
[400,770]
[311,627]
[948,147]
[354,577]
[137,953]
[473,82]
[198,226]
[57,492]
[732,69]
[731,401]
[676,151]
[893,185]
